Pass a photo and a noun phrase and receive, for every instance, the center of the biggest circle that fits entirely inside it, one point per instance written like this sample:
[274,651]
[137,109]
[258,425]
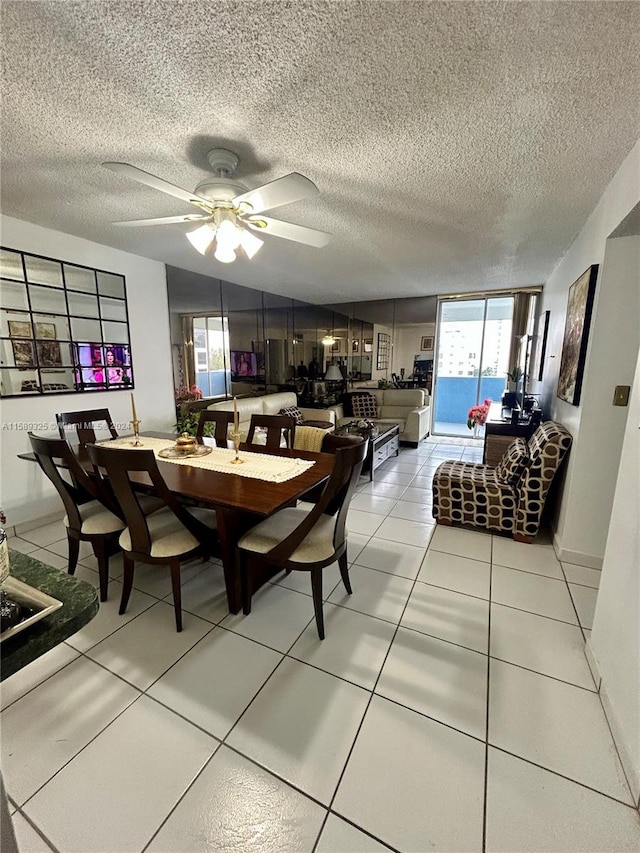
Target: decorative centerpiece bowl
[186,443]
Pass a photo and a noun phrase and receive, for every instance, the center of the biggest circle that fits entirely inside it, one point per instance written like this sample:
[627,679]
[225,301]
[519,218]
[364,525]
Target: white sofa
[270,404]
[408,407]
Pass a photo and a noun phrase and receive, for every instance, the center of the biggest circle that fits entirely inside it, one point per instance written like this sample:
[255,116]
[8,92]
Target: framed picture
[576,336]
[335,346]
[541,345]
[23,354]
[368,345]
[426,343]
[355,346]
[20,329]
[46,331]
[49,354]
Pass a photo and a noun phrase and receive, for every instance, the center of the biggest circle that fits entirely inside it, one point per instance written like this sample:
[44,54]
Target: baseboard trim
[632,771]
[593,664]
[578,558]
[26,526]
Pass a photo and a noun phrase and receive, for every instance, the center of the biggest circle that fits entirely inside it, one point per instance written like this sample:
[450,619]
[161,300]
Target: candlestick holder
[236,443]
[136,432]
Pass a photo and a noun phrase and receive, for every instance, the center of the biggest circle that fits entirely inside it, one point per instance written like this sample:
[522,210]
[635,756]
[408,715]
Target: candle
[133,408]
[236,425]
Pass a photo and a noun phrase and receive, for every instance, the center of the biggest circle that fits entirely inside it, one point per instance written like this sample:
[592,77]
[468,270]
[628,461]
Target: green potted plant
[513,378]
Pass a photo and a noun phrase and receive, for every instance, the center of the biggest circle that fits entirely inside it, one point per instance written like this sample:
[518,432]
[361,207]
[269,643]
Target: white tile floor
[450,707]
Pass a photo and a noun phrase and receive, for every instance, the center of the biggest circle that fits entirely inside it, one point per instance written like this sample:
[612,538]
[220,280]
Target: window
[63,327]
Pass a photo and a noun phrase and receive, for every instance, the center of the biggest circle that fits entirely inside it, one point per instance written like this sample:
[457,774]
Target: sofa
[509,497]
[271,404]
[407,407]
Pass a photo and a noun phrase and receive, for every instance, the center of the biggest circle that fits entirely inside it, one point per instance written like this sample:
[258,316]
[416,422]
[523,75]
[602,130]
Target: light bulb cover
[202,237]
[228,235]
[250,243]
[224,254]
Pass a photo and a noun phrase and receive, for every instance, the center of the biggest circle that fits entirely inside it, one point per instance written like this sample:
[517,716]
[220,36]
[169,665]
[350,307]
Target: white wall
[615,639]
[576,530]
[25,494]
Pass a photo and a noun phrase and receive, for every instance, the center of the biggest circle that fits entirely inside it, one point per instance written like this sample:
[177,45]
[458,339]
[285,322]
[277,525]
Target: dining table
[240,502]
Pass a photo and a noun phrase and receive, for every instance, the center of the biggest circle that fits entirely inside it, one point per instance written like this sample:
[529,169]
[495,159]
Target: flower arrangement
[477,415]
[185,394]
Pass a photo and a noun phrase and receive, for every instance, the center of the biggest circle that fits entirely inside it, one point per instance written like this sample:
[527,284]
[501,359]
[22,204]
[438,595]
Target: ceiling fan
[229,211]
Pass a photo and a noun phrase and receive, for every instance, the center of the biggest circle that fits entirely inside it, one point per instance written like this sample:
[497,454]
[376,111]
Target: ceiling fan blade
[283,190]
[278,228]
[154,182]
[164,220]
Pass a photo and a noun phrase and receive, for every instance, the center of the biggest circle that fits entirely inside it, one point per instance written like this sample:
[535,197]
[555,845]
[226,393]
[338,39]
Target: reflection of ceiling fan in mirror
[229,211]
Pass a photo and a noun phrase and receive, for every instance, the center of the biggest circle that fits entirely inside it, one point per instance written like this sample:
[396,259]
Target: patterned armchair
[508,498]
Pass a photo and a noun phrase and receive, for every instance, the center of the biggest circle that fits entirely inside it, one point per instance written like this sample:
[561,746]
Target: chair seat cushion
[97,519]
[169,536]
[316,547]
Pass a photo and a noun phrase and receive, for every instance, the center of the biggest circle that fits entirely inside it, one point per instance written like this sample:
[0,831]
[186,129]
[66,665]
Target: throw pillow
[365,406]
[514,462]
[293,412]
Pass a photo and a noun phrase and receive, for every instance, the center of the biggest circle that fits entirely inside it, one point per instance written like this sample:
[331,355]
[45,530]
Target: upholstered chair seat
[317,546]
[96,519]
[169,537]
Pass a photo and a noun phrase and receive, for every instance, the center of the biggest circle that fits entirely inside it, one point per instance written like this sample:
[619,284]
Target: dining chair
[221,420]
[329,443]
[276,426]
[84,424]
[92,514]
[170,536]
[306,539]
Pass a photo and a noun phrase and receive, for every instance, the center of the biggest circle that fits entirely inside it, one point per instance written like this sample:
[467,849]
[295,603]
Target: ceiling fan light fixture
[250,243]
[202,237]
[224,254]
[328,340]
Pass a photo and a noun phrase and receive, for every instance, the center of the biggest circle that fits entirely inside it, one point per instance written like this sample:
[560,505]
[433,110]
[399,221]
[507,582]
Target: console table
[499,432]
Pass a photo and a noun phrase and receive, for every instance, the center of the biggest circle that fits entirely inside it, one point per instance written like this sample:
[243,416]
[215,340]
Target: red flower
[478,414]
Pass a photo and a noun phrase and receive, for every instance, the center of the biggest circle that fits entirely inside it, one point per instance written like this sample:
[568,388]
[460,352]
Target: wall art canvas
[19,328]
[427,343]
[49,354]
[46,330]
[576,336]
[23,354]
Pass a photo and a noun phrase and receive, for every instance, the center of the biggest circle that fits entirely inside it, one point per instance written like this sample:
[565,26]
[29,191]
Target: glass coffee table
[383,442]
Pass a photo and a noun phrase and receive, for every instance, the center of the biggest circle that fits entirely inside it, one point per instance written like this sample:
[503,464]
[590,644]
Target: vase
[4,556]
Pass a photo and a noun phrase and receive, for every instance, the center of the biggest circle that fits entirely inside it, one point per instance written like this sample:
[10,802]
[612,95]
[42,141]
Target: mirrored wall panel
[63,328]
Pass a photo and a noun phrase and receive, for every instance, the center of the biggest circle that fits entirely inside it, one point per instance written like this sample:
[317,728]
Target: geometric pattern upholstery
[516,458]
[468,493]
[293,412]
[364,406]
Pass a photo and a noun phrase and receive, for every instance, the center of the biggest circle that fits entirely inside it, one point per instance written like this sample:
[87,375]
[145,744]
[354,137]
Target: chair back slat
[276,426]
[123,469]
[55,458]
[221,419]
[334,500]
[84,423]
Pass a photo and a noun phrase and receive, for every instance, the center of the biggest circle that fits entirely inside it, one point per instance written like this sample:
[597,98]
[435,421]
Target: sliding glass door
[473,344]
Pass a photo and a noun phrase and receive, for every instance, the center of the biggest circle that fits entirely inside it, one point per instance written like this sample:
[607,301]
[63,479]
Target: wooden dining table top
[247,494]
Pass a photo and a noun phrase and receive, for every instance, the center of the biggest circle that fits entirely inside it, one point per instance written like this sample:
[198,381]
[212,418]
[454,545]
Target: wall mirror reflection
[63,328]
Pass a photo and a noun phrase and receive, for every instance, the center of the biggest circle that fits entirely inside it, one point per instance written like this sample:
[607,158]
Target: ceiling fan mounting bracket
[223,161]
[220,190]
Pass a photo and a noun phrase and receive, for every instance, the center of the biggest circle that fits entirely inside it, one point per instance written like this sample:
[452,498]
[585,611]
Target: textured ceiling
[455,145]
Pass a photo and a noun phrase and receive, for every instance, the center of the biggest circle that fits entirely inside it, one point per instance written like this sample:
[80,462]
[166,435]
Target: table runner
[257,466]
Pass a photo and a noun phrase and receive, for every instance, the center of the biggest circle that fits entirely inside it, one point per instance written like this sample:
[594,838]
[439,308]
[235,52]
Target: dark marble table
[79,605]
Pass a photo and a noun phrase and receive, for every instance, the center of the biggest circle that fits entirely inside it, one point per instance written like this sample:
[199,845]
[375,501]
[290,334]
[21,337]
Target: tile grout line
[487,706]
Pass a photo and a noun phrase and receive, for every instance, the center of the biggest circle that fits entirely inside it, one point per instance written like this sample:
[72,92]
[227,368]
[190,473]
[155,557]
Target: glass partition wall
[474,339]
